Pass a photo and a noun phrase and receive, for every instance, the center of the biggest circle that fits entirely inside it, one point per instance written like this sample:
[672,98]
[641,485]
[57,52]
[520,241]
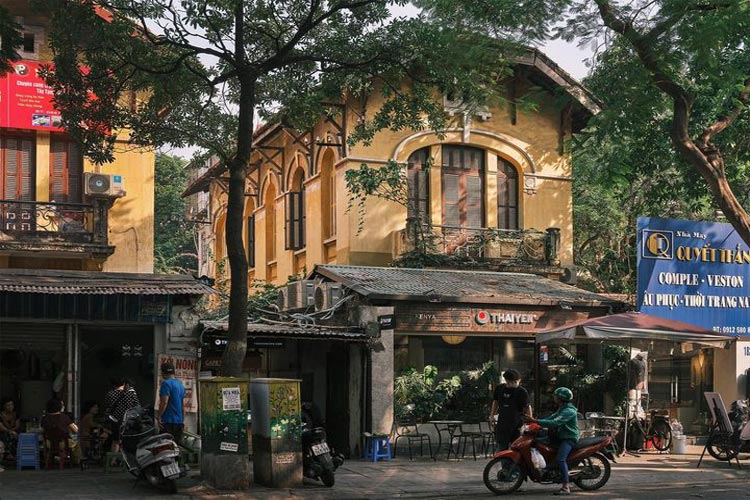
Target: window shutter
[507,195]
[294,220]
[27,166]
[75,173]
[288,236]
[302,220]
[451,200]
[57,191]
[251,241]
[418,186]
[463,186]
[473,201]
[11,169]
[66,171]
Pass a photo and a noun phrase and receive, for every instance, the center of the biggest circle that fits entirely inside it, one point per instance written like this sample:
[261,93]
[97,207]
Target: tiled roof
[288,331]
[99,283]
[458,286]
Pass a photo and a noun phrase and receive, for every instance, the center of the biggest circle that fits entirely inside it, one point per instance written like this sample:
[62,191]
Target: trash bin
[679,445]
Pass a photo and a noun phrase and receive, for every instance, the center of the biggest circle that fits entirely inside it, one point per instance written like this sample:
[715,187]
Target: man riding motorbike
[564,432]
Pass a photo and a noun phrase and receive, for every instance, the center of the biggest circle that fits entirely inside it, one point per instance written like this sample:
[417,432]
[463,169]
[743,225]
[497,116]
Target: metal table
[449,426]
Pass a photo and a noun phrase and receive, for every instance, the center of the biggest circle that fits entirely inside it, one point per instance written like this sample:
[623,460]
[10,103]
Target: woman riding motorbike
[564,423]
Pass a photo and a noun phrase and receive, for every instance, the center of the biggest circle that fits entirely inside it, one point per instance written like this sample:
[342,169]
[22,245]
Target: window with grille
[507,195]
[463,186]
[66,171]
[418,181]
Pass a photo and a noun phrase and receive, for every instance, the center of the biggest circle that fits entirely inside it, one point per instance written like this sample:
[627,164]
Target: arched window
[270,212]
[418,179]
[507,195]
[328,194]
[463,186]
[295,212]
[250,227]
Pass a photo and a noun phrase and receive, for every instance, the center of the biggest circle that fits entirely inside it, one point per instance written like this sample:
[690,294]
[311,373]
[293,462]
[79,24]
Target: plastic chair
[409,430]
[27,451]
[377,446]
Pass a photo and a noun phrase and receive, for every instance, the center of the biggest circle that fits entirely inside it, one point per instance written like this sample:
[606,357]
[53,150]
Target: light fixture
[453,339]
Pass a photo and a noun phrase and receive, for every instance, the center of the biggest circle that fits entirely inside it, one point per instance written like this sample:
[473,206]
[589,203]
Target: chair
[377,446]
[600,427]
[55,448]
[490,444]
[466,433]
[408,429]
[27,451]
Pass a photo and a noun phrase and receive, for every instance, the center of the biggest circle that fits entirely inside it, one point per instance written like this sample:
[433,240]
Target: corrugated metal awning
[295,332]
[55,282]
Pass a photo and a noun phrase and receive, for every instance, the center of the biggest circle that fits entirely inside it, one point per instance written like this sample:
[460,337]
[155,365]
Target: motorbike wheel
[503,476]
[592,472]
[662,436]
[328,478]
[721,448]
[170,485]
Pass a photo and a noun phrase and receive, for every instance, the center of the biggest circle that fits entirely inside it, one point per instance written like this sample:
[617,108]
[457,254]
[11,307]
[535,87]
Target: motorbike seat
[591,441]
[154,438]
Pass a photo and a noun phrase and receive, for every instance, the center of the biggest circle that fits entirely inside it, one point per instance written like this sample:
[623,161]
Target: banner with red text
[186,370]
[26,99]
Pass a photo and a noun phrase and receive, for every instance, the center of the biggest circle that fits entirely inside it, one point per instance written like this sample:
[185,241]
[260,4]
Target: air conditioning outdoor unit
[103,184]
[327,295]
[297,295]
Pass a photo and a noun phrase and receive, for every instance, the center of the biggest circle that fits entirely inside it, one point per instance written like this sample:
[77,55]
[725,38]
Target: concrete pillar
[42,166]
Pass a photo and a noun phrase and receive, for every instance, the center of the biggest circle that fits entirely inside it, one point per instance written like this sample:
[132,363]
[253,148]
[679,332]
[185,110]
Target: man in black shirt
[509,402]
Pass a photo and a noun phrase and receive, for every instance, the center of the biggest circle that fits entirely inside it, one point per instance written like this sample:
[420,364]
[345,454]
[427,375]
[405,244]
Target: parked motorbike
[725,448]
[589,463]
[319,460]
[147,453]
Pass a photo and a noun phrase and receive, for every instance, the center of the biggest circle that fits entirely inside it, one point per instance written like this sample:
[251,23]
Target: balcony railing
[521,246]
[29,221]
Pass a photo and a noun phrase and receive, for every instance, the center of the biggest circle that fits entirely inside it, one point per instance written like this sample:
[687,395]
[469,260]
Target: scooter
[726,448]
[319,461]
[589,463]
[147,453]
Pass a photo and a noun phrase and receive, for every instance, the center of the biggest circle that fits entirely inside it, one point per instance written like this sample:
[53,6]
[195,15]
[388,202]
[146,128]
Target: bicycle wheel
[721,447]
[662,435]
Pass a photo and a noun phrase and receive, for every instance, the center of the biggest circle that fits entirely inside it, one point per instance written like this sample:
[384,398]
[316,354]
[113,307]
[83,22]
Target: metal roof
[437,285]
[289,331]
[99,283]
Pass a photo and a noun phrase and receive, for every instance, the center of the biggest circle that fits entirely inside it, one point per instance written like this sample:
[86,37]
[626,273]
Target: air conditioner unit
[570,275]
[103,184]
[297,295]
[327,295]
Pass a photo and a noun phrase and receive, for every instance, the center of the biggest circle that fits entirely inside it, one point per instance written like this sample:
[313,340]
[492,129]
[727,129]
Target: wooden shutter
[251,241]
[463,186]
[507,195]
[66,171]
[294,227]
[17,166]
[417,177]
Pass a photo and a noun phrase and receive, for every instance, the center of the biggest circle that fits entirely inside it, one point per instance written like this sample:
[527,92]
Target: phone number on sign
[736,330]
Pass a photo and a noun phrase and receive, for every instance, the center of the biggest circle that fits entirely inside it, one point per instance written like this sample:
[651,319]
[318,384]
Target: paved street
[650,476]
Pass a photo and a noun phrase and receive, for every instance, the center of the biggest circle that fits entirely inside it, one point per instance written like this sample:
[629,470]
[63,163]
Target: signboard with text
[696,272]
[26,99]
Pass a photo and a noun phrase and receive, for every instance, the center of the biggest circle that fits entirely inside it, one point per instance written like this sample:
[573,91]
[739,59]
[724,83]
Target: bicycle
[654,428]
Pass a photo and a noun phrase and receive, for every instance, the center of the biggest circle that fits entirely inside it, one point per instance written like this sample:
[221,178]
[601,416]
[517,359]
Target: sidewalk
[648,476]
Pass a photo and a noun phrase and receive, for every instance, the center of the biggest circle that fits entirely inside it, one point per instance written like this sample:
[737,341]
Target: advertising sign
[186,370]
[696,272]
[26,99]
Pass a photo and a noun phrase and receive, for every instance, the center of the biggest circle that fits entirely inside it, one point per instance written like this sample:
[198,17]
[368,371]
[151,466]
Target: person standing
[171,414]
[120,399]
[510,402]
[565,422]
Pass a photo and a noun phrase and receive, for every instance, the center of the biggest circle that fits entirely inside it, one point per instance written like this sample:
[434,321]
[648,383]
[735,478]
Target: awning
[267,330]
[630,326]
[47,281]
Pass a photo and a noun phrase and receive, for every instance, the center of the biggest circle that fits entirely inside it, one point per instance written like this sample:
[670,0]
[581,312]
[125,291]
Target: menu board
[26,99]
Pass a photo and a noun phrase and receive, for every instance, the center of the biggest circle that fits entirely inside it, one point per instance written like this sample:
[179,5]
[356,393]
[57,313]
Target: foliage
[471,401]
[174,244]
[10,40]
[419,395]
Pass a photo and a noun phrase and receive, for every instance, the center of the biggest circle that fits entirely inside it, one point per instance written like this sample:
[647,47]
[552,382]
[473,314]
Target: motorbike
[319,460]
[726,448]
[589,463]
[149,454]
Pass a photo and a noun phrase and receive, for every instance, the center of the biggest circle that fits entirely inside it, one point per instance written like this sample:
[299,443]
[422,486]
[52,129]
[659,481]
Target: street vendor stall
[634,329]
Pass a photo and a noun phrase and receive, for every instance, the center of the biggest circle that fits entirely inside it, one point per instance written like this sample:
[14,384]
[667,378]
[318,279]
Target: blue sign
[696,272]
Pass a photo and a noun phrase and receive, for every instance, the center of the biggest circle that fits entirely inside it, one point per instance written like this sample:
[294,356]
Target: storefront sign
[697,272]
[218,343]
[439,318]
[387,322]
[26,99]
[186,370]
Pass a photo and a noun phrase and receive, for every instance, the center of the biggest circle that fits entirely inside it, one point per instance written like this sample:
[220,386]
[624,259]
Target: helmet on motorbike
[564,394]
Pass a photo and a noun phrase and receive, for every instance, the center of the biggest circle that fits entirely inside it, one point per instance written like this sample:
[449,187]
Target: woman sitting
[10,426]
[92,433]
[57,429]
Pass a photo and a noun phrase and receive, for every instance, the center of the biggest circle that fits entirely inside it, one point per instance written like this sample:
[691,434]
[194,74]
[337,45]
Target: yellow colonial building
[79,303]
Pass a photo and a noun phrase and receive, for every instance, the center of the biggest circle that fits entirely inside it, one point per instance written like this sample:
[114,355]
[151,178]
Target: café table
[610,430]
[450,426]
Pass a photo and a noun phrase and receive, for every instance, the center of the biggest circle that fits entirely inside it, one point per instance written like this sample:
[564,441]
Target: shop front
[65,334]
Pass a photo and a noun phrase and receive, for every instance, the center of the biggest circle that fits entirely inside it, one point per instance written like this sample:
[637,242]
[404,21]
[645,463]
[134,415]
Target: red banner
[26,99]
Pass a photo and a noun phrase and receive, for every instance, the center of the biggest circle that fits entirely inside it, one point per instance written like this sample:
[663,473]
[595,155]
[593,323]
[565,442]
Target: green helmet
[564,393]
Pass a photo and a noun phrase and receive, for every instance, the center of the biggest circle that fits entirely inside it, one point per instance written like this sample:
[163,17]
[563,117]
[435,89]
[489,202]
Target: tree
[693,54]
[201,69]
[174,243]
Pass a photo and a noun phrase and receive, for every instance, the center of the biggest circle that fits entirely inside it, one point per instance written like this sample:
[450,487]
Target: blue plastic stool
[27,454]
[377,447]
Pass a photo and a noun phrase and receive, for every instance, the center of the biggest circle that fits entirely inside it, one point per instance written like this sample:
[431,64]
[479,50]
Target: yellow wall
[532,145]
